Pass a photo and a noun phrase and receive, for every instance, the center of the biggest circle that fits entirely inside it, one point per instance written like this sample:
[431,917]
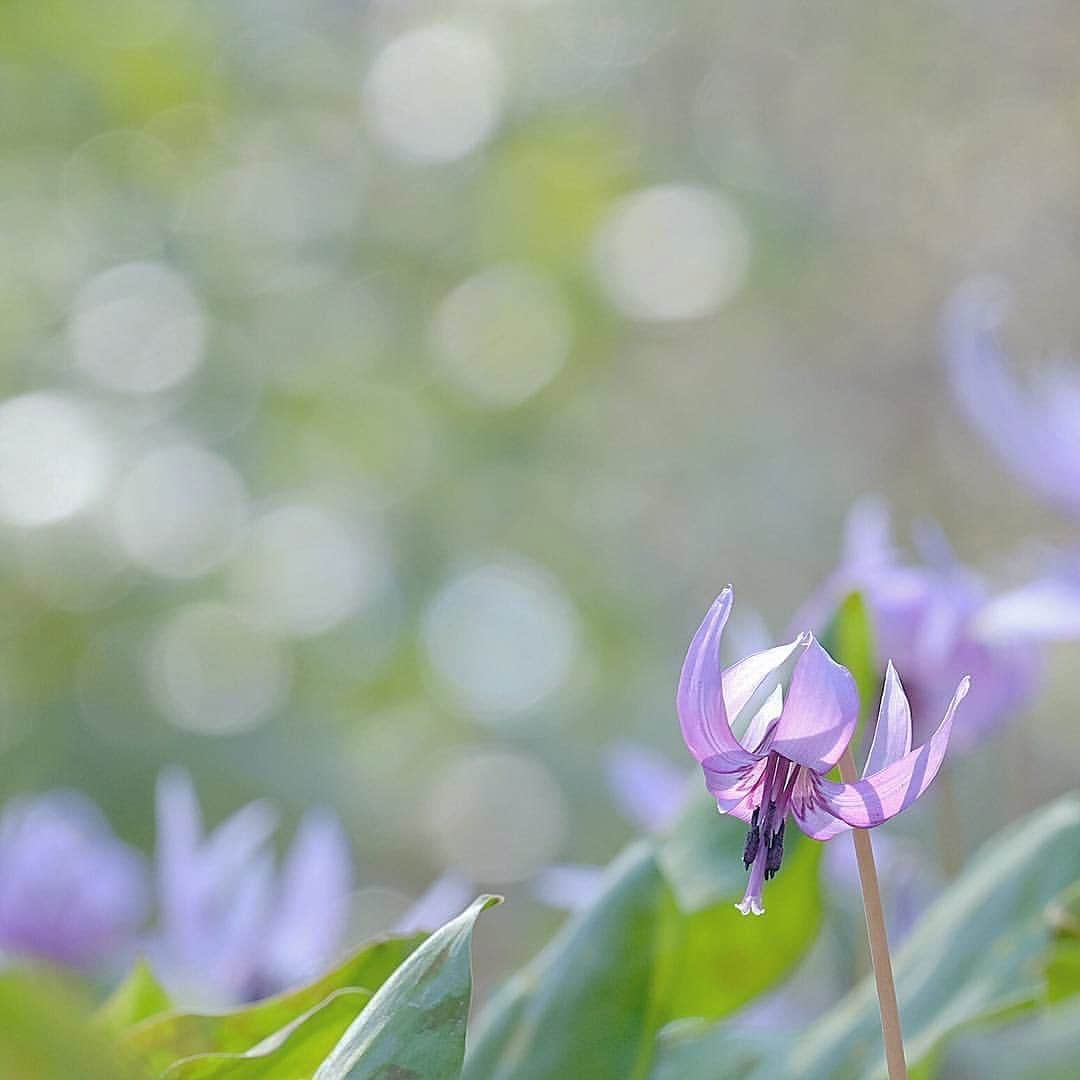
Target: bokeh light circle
[502,335]
[672,252]
[501,638]
[210,671]
[180,511]
[138,328]
[54,459]
[434,94]
[496,815]
[305,570]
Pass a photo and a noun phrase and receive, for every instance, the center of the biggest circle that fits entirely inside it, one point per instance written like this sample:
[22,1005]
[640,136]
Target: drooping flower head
[70,891]
[791,738]
[937,621]
[230,928]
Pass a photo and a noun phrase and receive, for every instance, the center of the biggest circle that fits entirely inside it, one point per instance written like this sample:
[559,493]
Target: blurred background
[388,388]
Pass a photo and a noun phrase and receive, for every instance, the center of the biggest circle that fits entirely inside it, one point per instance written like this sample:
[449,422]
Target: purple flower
[1035,431]
[231,929]
[445,898]
[933,619]
[70,891]
[789,742]
[648,790]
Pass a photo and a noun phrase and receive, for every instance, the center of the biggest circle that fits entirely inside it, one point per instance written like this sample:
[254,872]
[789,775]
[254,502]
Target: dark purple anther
[753,841]
[774,853]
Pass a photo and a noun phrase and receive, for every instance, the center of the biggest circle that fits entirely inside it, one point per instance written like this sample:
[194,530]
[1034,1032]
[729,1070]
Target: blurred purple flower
[70,891]
[1035,430]
[648,790]
[931,619]
[447,897]
[792,741]
[230,929]
[904,875]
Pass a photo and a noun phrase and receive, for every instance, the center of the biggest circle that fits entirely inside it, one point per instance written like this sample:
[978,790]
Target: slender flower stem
[879,942]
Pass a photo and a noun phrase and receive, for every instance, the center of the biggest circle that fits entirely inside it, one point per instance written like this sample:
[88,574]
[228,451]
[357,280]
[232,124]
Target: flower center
[763,851]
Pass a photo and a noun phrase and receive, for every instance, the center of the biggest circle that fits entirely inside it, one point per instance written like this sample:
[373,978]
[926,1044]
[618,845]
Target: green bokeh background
[876,156]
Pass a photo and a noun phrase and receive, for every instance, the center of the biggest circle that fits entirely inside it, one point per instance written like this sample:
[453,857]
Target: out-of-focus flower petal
[1027,433]
[70,891]
[881,795]
[868,538]
[568,887]
[648,790]
[892,736]
[237,840]
[1046,610]
[312,909]
[179,835]
[446,897]
[700,702]
[226,934]
[820,712]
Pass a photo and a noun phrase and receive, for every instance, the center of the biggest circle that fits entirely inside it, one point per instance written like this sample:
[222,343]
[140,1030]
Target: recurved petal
[810,813]
[820,712]
[699,700]
[892,736]
[732,775]
[883,794]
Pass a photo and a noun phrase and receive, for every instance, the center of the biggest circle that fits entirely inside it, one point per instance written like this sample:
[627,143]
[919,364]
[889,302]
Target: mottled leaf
[414,1027]
[168,1037]
[293,1053]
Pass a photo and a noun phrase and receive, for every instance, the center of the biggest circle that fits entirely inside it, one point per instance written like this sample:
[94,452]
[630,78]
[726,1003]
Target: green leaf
[585,1006]
[138,997]
[1063,961]
[702,856]
[975,955]
[726,959]
[292,1053]
[690,1049]
[1045,1046]
[849,639]
[168,1037]
[414,1027]
[593,1001]
[46,1033]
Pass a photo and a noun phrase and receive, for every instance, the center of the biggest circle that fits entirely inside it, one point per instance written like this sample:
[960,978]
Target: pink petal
[820,713]
[700,704]
[809,811]
[732,775]
[883,794]
[892,736]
